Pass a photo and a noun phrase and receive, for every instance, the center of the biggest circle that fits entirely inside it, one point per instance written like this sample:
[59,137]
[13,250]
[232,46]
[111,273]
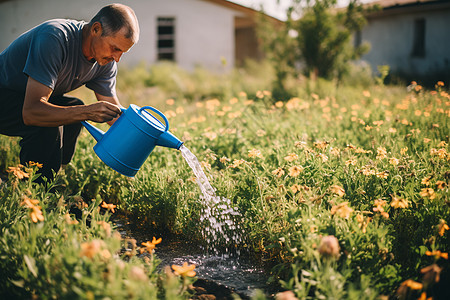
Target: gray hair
[114,17]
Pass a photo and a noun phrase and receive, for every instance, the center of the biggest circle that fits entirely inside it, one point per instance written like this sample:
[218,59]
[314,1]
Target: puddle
[237,274]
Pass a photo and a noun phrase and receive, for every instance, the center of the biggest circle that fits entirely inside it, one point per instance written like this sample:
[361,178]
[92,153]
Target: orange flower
[437,254]
[428,193]
[381,152]
[399,203]
[393,161]
[90,249]
[295,188]
[108,206]
[30,203]
[442,227]
[336,189]
[441,184]
[414,285]
[17,171]
[149,246]
[32,164]
[278,172]
[291,157]
[185,270]
[36,214]
[295,171]
[255,153]
[342,210]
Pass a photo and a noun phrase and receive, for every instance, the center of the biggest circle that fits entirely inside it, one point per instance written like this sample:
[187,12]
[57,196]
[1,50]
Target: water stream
[219,220]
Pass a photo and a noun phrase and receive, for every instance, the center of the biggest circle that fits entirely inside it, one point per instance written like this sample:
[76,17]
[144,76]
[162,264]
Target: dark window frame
[418,47]
[165,42]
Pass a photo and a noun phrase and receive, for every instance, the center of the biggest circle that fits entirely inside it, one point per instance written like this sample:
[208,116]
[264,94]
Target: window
[357,39]
[166,39]
[418,49]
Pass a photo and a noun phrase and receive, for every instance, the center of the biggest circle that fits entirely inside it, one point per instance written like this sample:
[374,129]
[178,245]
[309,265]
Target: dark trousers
[50,146]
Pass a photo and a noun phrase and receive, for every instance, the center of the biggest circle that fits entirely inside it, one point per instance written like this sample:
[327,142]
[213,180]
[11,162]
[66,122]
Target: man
[51,59]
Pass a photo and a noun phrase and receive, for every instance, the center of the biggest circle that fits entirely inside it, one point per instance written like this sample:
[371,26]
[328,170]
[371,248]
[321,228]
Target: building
[190,32]
[411,36]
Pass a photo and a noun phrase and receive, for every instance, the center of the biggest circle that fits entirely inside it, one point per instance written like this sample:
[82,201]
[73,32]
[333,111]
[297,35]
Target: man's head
[112,31]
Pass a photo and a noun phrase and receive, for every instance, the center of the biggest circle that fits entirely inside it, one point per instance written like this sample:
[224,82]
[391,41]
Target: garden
[340,191]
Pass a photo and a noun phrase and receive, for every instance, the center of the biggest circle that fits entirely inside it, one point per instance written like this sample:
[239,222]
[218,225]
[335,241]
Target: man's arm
[37,111]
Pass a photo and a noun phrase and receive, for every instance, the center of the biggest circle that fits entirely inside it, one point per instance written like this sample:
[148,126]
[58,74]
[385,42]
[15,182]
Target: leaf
[19,283]
[31,264]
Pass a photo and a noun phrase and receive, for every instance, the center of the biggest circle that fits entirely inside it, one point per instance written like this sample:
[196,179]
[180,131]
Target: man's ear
[96,29]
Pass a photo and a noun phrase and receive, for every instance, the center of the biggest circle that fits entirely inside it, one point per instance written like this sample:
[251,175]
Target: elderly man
[51,59]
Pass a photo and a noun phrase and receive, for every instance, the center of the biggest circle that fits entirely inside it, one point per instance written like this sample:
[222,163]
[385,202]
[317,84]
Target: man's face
[105,49]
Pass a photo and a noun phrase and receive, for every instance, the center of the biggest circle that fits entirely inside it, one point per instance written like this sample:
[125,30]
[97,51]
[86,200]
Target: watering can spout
[167,139]
[94,131]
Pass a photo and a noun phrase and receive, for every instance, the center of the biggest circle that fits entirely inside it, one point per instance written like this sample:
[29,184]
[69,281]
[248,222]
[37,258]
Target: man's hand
[102,111]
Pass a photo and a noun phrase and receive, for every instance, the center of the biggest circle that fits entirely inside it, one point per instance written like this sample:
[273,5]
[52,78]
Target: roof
[392,7]
[250,12]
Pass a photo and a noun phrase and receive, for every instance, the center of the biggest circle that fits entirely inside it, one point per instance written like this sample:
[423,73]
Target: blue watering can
[131,139]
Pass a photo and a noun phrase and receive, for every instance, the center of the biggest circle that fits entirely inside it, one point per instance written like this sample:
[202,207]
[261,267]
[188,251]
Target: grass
[342,190]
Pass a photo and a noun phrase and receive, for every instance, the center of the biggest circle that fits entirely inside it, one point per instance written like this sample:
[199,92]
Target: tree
[319,40]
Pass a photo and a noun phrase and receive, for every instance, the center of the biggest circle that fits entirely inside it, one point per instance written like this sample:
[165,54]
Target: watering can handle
[159,113]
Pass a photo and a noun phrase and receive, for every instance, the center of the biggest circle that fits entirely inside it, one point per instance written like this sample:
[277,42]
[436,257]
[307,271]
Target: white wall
[392,37]
[204,31]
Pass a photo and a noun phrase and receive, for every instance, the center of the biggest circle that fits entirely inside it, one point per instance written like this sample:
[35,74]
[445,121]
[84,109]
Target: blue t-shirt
[51,53]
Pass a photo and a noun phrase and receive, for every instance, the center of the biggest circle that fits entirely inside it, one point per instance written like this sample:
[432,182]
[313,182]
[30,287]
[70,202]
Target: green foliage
[321,43]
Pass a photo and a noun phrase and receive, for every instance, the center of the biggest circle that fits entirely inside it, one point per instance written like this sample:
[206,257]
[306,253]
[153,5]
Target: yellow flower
[278,172]
[342,210]
[336,189]
[428,193]
[255,153]
[399,202]
[108,206]
[440,83]
[295,171]
[170,102]
[17,171]
[185,270]
[442,227]
[291,157]
[36,214]
[437,254]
